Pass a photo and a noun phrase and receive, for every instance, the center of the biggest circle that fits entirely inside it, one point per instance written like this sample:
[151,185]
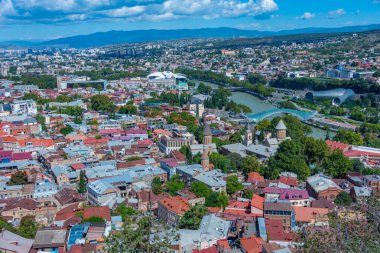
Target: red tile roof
[99,211]
[275,231]
[355,153]
[78,166]
[337,145]
[212,249]
[176,204]
[291,181]
[22,156]
[252,244]
[223,244]
[257,202]
[255,177]
[308,214]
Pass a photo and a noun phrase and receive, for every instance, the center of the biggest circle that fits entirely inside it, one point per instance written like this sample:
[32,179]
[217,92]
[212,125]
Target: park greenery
[109,74]
[357,85]
[254,84]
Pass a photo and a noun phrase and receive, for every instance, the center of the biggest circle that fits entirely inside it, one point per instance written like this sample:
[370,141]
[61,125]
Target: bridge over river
[265,114]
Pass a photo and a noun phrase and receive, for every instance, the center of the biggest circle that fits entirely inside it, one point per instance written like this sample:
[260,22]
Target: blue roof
[76,232]
[262,228]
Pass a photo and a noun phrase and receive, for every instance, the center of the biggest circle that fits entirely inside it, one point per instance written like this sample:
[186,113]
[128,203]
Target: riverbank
[258,105]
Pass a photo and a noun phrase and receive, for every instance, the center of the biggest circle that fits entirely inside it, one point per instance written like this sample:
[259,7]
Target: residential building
[321,186]
[171,209]
[24,107]
[283,211]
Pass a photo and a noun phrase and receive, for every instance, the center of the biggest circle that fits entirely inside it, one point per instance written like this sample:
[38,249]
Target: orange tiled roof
[307,214]
[257,202]
[176,204]
[36,142]
[252,244]
[254,176]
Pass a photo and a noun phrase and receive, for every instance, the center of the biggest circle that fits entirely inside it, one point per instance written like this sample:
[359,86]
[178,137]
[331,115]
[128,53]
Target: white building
[24,107]
[44,189]
[165,79]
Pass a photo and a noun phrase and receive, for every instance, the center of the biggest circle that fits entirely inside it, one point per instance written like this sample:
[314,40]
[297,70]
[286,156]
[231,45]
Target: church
[206,148]
[251,146]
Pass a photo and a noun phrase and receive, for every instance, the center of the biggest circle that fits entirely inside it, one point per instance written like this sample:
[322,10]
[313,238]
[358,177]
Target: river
[258,105]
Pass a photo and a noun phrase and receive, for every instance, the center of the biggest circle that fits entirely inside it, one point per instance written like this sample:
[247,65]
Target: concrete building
[321,186]
[283,211]
[44,189]
[24,107]
[171,209]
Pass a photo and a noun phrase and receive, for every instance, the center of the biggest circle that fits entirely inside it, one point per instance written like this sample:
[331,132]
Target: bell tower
[207,135]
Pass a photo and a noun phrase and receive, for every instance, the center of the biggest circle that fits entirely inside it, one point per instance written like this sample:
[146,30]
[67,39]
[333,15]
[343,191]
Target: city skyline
[44,20]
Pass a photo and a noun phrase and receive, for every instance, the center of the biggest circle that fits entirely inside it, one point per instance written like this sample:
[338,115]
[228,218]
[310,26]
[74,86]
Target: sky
[51,19]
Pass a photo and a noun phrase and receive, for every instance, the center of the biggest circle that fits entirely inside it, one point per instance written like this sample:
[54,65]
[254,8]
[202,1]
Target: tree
[66,130]
[200,189]
[128,109]
[95,219]
[125,211]
[289,157]
[295,128]
[156,186]
[248,194]
[193,217]
[28,227]
[264,125]
[63,99]
[220,162]
[336,164]
[185,150]
[102,103]
[315,151]
[82,182]
[216,199]
[235,138]
[18,178]
[233,185]
[174,184]
[343,199]
[235,160]
[348,137]
[78,120]
[250,164]
[140,238]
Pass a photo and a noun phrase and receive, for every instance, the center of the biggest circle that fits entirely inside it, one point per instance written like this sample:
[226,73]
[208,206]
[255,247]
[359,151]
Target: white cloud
[133,10]
[211,9]
[76,17]
[6,8]
[124,11]
[307,15]
[50,5]
[336,13]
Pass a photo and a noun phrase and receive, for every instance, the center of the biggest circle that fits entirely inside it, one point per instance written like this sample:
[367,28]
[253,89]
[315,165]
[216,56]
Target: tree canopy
[193,217]
[233,185]
[102,103]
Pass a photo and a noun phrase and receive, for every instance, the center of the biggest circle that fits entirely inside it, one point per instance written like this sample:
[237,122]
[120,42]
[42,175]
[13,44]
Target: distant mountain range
[120,37]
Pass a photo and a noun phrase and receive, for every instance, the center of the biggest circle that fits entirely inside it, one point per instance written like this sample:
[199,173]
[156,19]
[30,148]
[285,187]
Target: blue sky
[49,19]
